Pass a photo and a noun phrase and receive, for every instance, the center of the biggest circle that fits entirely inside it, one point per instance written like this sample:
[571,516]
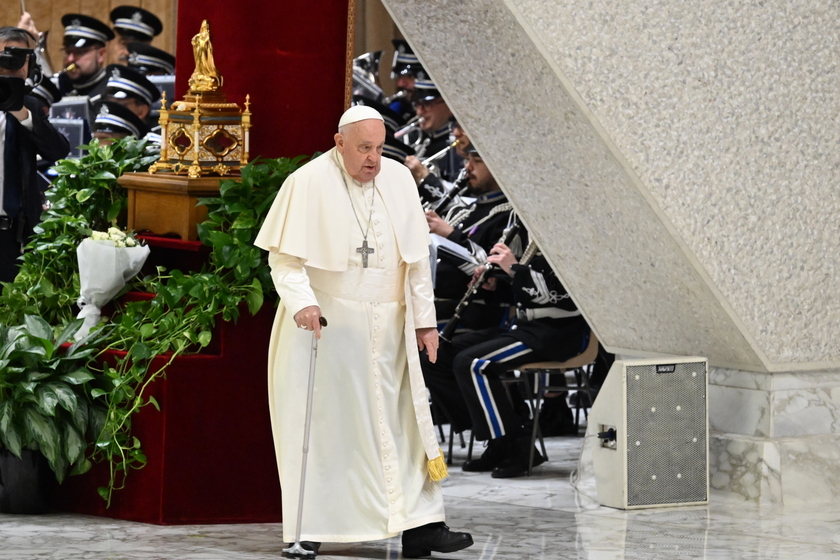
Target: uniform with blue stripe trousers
[548,327]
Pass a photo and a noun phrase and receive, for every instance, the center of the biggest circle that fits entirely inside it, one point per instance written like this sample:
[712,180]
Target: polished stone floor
[541,517]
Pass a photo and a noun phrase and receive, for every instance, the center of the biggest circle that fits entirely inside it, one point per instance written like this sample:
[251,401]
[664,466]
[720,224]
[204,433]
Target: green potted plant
[47,413]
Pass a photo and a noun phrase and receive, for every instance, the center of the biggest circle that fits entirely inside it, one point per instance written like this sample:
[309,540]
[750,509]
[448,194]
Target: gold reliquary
[203,134]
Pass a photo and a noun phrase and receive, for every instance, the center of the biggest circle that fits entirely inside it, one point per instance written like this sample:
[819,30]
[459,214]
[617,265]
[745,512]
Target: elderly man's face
[360,145]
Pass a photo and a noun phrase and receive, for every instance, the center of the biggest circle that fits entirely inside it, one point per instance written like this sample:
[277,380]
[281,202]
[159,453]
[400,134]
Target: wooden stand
[167,203]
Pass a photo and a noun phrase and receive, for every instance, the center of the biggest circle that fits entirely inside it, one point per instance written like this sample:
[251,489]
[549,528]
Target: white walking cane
[296,550]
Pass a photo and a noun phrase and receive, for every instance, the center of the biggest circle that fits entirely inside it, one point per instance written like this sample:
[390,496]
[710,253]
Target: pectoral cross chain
[365,251]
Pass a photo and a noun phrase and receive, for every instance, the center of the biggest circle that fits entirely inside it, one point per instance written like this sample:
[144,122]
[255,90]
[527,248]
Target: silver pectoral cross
[365,251]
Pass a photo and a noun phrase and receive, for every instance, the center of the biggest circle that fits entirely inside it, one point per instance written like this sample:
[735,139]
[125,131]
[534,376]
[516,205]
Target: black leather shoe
[493,456]
[434,537]
[517,463]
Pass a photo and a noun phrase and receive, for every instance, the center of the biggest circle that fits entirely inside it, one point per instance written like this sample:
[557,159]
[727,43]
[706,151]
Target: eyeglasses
[78,53]
[426,104]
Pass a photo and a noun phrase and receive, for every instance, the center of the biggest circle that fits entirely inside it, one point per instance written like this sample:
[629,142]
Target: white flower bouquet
[107,260]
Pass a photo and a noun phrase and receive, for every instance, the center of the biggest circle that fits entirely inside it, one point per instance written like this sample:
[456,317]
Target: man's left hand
[427,339]
[21,115]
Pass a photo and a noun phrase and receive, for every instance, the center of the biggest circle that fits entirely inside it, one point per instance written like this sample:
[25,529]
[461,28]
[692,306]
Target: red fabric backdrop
[289,55]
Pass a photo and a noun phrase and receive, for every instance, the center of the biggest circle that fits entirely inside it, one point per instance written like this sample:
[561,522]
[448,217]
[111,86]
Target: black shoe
[556,418]
[496,452]
[434,537]
[517,463]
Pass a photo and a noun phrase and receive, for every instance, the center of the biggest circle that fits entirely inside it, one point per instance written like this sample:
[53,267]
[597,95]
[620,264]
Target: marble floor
[541,517]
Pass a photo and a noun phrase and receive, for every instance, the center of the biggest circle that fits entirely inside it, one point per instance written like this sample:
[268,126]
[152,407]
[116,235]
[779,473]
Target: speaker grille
[666,434]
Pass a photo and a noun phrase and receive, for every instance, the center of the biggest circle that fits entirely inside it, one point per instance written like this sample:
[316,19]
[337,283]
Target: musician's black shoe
[516,463]
[434,537]
[493,456]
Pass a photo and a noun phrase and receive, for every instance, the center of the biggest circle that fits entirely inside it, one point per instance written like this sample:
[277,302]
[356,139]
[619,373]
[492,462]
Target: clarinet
[449,329]
[460,186]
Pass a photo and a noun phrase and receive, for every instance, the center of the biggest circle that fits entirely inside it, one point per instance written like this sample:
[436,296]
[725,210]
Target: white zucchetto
[359,113]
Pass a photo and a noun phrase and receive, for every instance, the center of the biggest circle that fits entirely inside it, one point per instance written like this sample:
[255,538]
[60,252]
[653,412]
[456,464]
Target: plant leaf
[74,444]
[77,377]
[47,399]
[42,430]
[66,396]
[38,328]
[68,332]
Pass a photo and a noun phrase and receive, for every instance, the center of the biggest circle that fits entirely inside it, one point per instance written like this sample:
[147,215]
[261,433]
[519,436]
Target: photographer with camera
[25,133]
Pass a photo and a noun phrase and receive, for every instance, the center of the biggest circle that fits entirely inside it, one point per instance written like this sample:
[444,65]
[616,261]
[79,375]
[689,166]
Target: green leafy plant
[85,196]
[45,394]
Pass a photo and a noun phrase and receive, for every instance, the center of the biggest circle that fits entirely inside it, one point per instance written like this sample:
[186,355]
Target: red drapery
[288,55]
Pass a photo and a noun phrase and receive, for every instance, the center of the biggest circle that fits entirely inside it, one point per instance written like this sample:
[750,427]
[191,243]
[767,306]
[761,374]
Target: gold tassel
[437,467]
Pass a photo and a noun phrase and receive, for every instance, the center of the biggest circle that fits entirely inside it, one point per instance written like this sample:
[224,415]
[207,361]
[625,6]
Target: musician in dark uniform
[476,228]
[547,327]
[85,38]
[435,135]
[132,90]
[405,70]
[149,60]
[132,24]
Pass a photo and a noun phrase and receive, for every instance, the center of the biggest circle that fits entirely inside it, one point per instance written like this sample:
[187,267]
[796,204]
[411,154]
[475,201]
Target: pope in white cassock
[347,239]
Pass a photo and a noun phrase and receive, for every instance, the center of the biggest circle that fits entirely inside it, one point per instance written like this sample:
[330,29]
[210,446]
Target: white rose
[119,243]
[116,234]
[98,235]
[129,242]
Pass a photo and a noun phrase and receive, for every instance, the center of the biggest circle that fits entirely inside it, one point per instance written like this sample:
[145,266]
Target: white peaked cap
[358,113]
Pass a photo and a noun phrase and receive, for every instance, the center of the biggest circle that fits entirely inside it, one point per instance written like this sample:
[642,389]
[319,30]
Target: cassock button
[393,502]
[388,479]
[391,491]
[375,328]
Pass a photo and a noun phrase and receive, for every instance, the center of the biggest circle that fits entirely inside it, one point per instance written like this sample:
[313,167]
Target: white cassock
[371,436]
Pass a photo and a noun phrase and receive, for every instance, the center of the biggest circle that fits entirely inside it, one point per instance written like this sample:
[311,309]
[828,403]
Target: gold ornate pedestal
[204,134]
[167,203]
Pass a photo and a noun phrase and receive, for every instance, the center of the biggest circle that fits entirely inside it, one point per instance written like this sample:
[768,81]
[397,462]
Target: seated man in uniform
[435,136]
[132,90]
[548,327]
[132,24]
[85,38]
[149,60]
[116,121]
[476,228]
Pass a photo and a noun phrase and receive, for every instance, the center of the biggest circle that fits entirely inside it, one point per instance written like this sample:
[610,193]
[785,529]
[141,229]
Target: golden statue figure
[205,77]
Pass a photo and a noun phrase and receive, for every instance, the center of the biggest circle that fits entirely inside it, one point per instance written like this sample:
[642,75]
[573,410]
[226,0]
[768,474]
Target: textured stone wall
[677,162]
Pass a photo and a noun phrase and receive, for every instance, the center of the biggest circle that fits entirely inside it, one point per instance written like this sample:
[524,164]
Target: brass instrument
[449,329]
[409,127]
[403,93]
[69,68]
[434,157]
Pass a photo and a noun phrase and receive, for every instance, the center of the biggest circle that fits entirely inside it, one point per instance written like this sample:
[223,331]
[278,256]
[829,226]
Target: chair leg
[469,451]
[535,395]
[463,443]
[451,439]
